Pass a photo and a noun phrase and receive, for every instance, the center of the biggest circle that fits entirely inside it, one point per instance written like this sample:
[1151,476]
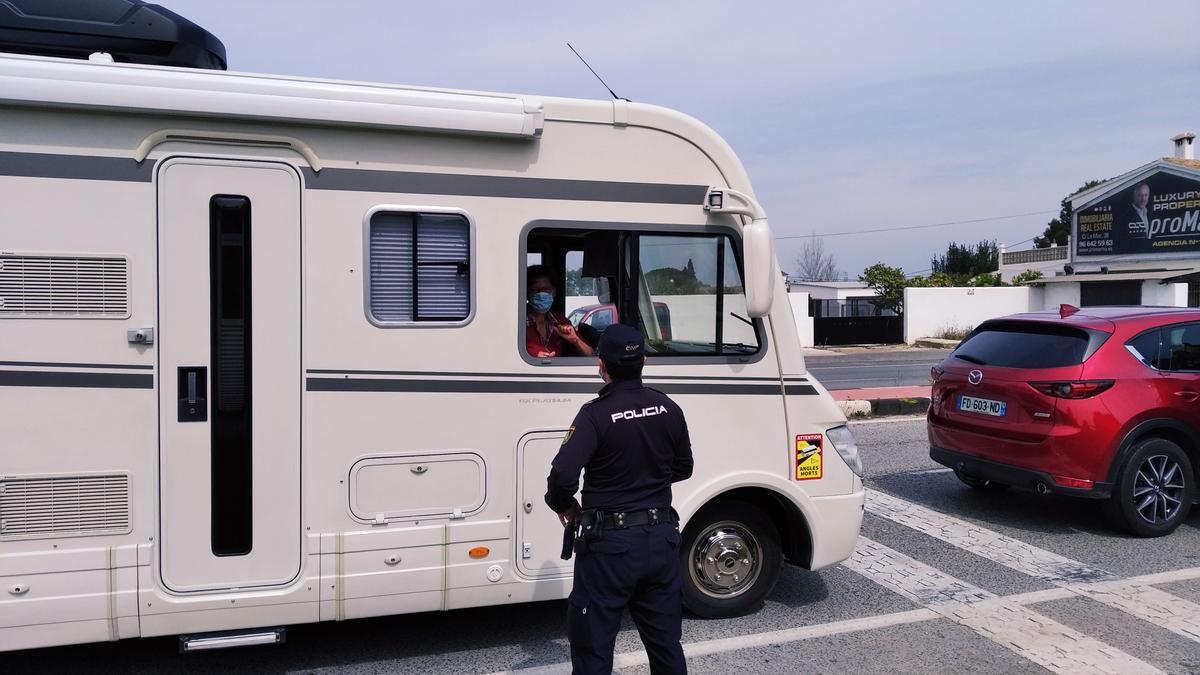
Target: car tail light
[1072,390]
[935,373]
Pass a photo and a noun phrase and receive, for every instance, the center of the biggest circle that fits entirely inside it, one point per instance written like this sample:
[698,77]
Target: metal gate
[858,330]
[854,322]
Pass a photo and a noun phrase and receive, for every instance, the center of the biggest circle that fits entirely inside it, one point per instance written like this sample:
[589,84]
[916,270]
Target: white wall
[1165,295]
[813,291]
[930,311]
[1153,294]
[1053,295]
[692,315]
[1048,269]
[804,322]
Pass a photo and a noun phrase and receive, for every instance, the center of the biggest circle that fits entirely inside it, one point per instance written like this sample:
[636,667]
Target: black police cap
[621,344]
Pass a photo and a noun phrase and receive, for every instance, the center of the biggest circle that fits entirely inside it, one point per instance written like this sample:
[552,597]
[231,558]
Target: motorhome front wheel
[731,558]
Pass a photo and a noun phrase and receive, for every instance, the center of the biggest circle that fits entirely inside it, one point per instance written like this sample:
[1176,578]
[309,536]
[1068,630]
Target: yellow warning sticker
[808,456]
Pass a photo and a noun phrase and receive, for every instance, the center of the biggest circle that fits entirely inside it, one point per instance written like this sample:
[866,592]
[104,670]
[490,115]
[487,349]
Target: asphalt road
[1033,591]
[875,368]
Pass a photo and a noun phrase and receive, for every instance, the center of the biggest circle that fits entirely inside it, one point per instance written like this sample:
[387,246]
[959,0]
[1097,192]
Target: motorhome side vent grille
[63,506]
[34,286]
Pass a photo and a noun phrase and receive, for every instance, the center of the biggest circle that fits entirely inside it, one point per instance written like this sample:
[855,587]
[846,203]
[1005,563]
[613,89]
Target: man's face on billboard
[1141,196]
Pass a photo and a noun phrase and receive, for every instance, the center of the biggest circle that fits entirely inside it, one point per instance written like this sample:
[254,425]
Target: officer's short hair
[624,371]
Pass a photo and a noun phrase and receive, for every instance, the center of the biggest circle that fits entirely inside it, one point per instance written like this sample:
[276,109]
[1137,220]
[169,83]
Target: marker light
[1073,482]
[479,552]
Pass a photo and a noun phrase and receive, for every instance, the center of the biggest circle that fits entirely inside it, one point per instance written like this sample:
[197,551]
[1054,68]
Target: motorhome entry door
[229,319]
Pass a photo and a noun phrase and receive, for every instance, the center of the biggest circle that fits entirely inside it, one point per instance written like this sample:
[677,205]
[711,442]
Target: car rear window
[1029,346]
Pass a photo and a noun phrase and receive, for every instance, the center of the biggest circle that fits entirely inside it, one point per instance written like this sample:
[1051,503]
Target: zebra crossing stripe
[1137,598]
[846,626]
[1032,636]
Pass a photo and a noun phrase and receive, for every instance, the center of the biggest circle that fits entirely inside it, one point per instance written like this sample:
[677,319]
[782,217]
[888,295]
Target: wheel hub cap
[725,560]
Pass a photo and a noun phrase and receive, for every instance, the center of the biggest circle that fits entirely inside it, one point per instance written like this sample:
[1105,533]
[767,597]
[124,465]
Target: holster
[591,529]
[568,543]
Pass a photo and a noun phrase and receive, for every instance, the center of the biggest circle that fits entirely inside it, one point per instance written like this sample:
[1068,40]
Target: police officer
[633,443]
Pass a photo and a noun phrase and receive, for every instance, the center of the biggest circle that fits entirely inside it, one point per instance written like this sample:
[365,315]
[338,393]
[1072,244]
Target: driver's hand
[567,331]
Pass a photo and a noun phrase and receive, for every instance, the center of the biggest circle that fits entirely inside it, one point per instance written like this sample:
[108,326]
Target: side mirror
[758,247]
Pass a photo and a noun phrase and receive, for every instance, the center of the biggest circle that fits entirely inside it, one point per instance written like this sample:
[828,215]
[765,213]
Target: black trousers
[637,567]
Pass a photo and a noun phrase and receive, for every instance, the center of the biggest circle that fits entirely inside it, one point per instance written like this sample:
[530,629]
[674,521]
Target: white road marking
[1139,599]
[753,640]
[1012,553]
[1032,636]
[929,471]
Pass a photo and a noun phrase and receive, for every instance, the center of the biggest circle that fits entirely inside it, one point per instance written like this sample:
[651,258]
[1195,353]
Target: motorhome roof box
[132,31]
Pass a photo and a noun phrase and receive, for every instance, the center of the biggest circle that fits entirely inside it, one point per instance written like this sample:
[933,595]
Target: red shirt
[553,344]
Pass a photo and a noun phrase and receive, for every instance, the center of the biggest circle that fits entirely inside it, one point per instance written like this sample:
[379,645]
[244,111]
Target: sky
[848,116]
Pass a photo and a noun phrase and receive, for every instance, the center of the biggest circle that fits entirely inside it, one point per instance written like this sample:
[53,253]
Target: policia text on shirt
[633,443]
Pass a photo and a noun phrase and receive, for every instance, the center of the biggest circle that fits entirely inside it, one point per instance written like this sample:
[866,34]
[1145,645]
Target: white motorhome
[262,350]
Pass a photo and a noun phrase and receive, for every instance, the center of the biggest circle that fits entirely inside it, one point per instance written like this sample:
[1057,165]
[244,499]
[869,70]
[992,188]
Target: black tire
[1154,490]
[977,483]
[731,559]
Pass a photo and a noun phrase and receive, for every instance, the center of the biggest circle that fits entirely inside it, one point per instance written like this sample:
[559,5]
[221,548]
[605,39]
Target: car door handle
[1188,395]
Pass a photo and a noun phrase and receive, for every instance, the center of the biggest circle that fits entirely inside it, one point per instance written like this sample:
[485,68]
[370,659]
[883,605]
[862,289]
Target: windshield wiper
[970,359]
[743,319]
[745,348]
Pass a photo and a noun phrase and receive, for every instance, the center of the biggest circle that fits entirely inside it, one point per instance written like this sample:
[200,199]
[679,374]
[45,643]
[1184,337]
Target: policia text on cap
[633,443]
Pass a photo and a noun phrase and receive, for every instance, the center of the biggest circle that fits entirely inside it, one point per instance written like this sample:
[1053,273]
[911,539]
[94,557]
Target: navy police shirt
[632,442]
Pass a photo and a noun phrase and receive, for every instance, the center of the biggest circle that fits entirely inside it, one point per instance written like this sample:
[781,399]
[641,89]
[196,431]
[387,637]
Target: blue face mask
[540,302]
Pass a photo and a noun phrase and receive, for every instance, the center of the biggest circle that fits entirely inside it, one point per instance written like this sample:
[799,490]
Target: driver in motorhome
[548,334]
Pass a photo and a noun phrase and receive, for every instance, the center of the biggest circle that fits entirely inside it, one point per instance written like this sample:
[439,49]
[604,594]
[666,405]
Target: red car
[1102,403]
[603,315]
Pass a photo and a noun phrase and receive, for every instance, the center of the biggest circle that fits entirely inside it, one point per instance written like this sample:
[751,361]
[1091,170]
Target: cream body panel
[343,565]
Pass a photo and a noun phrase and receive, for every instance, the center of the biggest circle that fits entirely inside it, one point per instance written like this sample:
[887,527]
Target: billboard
[1160,214]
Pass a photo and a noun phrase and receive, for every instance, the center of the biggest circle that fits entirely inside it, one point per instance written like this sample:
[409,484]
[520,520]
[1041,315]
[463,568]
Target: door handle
[193,394]
[1188,395]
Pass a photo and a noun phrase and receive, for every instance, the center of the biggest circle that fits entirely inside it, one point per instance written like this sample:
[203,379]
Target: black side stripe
[86,167]
[47,364]
[547,376]
[34,378]
[91,167]
[501,387]
[367,180]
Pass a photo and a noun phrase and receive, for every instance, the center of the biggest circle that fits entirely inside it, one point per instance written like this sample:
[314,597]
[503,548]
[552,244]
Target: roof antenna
[614,94]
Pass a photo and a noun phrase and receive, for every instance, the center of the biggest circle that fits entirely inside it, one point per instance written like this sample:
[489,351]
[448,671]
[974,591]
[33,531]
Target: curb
[883,407]
[936,343]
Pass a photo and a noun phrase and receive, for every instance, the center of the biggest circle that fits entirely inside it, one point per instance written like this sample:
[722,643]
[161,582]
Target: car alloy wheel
[1154,488]
[1158,489]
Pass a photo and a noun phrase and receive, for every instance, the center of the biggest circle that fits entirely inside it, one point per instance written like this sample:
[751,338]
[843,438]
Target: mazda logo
[975,377]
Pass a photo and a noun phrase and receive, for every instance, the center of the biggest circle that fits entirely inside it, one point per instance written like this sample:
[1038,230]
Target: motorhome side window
[683,291]
[418,268]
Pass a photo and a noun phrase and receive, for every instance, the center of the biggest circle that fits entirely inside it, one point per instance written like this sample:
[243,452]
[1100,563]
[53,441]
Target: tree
[963,262]
[935,280]
[814,264]
[1026,276]
[671,281]
[986,279]
[1058,231]
[888,283]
